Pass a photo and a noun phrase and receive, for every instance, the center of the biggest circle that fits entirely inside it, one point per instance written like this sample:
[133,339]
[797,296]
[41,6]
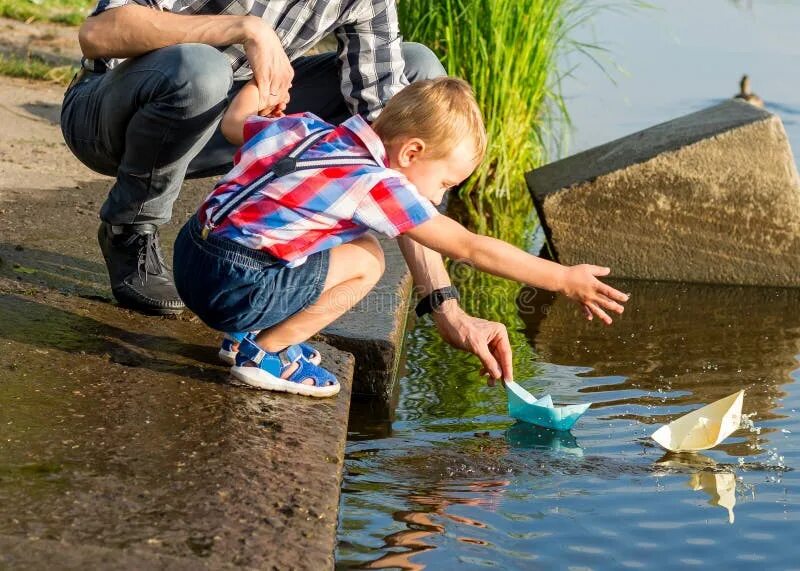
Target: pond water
[452,481]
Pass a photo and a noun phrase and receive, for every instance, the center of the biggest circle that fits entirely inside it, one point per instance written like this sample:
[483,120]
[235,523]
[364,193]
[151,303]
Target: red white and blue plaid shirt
[312,210]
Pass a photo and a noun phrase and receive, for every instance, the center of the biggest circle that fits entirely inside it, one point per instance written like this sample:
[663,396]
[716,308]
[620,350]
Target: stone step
[119,429]
[121,439]
[711,197]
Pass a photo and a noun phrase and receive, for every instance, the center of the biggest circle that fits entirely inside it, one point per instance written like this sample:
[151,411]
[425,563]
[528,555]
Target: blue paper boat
[522,405]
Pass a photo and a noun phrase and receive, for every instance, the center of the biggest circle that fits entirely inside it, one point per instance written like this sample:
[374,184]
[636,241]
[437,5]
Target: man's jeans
[153,120]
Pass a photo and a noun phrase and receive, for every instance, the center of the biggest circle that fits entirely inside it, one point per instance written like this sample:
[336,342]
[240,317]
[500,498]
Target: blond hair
[442,112]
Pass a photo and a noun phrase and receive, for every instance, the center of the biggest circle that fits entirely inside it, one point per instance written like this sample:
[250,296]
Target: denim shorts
[233,288]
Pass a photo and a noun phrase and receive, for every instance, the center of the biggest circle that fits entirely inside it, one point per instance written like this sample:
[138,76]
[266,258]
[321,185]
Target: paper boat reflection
[703,428]
[525,435]
[522,405]
[720,487]
[717,482]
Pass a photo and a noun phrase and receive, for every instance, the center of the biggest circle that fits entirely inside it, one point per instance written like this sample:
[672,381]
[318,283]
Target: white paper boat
[522,405]
[703,428]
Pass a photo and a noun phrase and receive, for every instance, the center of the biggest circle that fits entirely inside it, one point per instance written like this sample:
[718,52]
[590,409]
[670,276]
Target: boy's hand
[580,284]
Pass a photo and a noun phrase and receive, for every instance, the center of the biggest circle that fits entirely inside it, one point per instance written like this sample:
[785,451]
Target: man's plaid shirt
[367,35]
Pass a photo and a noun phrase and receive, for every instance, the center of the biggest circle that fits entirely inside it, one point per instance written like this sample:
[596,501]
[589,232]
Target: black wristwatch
[437,297]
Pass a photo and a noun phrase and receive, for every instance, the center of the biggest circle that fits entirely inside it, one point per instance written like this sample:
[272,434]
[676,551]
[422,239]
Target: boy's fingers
[599,313]
[599,270]
[587,313]
[614,294]
[610,304]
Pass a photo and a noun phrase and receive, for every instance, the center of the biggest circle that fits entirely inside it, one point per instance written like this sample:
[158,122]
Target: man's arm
[427,267]
[132,30]
[488,340]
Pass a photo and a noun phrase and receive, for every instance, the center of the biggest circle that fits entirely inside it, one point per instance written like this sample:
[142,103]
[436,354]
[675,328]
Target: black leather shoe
[140,279]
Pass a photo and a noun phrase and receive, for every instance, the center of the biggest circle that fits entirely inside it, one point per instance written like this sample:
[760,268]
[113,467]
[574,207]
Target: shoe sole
[127,301]
[260,379]
[228,357]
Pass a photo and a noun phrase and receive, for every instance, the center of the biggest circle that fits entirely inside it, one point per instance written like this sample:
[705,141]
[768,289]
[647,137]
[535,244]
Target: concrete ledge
[711,197]
[121,432]
[373,331]
[123,445]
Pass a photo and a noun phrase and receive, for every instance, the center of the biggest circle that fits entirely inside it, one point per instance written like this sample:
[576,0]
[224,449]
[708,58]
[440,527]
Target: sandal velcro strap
[276,362]
[289,355]
[308,370]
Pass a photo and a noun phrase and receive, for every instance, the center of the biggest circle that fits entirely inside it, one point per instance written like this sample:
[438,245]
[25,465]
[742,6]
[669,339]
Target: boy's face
[434,177]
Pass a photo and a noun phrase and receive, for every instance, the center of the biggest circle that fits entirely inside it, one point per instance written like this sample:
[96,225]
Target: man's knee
[421,62]
[199,75]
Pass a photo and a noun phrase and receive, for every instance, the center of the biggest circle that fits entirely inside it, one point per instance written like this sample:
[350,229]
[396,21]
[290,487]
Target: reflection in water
[525,435]
[719,482]
[720,487]
[432,505]
[676,348]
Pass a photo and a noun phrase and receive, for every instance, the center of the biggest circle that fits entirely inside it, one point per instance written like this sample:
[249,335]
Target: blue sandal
[230,346]
[266,374]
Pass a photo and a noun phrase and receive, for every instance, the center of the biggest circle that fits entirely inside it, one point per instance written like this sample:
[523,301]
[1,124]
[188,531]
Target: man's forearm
[426,265]
[133,30]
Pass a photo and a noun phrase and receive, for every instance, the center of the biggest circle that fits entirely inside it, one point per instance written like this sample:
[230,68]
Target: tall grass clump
[508,51]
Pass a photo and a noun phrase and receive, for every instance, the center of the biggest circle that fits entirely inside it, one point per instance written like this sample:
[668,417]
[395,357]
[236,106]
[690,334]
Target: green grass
[512,53]
[69,12]
[508,52]
[32,68]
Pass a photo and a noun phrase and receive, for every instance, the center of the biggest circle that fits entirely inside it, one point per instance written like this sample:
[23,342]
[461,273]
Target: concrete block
[711,197]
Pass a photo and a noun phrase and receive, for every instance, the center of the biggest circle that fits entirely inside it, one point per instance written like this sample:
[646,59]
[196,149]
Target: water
[453,481]
[679,57]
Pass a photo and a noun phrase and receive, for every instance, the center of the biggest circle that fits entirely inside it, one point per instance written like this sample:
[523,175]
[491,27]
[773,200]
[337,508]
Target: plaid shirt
[308,211]
[367,35]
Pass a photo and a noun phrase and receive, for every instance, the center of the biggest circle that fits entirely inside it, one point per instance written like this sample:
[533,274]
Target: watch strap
[436,298]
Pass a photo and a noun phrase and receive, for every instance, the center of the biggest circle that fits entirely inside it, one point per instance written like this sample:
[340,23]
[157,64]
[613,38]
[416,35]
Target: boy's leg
[142,122]
[353,270]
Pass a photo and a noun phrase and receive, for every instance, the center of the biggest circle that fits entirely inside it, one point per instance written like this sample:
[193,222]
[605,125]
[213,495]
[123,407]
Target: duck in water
[747,95]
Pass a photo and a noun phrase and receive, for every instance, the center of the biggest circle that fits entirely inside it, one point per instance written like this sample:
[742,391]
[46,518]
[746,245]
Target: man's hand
[488,340]
[580,284]
[272,70]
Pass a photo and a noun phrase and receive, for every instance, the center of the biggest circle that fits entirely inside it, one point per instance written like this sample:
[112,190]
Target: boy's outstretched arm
[494,256]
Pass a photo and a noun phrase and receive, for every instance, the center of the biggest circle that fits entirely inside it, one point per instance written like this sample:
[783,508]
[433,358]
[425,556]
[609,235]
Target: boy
[280,246]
